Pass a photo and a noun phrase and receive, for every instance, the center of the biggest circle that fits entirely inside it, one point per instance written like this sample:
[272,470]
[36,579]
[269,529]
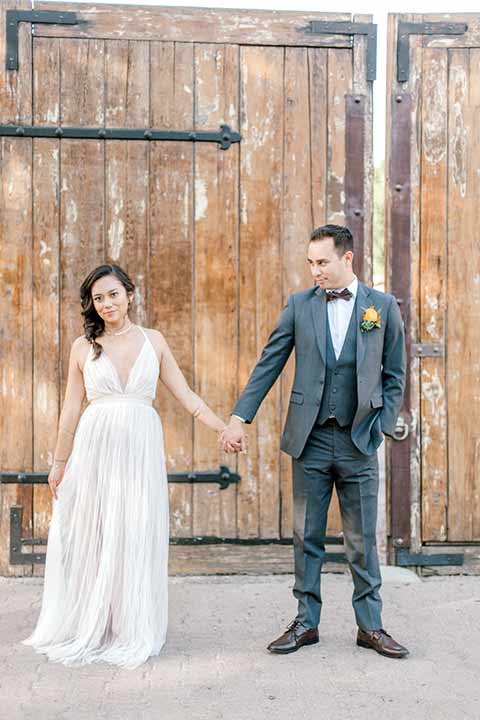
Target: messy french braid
[92,322]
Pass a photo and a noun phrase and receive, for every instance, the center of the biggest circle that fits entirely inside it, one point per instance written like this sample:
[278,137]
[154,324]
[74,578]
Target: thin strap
[147,339]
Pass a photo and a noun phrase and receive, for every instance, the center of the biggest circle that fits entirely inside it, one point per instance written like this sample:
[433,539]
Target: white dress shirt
[339,315]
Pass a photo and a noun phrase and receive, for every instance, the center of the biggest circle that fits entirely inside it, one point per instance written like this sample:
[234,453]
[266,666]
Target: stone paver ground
[215,665]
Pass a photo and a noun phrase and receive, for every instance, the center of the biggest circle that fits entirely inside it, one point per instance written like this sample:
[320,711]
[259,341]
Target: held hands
[233,438]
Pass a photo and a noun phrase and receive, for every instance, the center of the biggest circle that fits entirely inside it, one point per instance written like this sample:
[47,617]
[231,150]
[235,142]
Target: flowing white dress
[105,594]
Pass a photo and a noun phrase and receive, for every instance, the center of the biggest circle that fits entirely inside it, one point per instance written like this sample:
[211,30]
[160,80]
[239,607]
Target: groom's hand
[233,438]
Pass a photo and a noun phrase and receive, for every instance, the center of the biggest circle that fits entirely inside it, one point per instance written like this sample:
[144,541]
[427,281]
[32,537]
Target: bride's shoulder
[156,338]
[80,345]
[80,350]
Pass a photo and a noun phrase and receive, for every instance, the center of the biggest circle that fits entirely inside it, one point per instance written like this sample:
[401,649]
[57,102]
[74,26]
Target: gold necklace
[120,332]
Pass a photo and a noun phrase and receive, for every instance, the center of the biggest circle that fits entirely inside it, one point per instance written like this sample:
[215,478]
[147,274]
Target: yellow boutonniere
[370,319]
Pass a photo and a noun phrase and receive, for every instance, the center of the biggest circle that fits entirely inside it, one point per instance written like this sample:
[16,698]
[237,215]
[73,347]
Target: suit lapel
[361,304]
[319,315]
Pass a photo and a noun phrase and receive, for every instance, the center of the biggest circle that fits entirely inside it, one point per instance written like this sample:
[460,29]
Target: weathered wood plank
[15,286]
[340,71]
[171,254]
[463,329]
[82,93]
[238,560]
[433,299]
[126,166]
[81,183]
[216,272]
[318,69]
[401,264]
[297,217]
[260,300]
[16,347]
[46,348]
[187,24]
[364,88]
[413,313]
[16,86]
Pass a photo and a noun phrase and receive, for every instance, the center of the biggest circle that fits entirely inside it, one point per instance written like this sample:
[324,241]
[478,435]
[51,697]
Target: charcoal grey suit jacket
[381,366]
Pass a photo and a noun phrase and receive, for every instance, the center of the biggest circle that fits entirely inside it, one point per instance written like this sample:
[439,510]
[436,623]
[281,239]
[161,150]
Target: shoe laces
[294,625]
[379,633]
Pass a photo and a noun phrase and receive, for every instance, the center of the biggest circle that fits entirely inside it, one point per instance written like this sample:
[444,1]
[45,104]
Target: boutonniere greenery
[370,319]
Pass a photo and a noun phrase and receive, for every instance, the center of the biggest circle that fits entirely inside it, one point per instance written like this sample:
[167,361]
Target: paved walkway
[215,665]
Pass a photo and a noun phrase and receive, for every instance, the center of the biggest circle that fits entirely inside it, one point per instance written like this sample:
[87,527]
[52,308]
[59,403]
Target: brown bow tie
[335,294]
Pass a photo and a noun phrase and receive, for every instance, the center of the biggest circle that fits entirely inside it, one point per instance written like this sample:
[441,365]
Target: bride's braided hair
[92,322]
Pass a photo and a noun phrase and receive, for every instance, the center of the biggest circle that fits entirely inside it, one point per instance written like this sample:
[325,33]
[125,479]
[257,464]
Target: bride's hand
[55,477]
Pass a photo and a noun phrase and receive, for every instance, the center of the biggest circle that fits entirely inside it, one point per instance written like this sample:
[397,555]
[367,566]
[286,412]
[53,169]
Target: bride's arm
[173,378]
[70,414]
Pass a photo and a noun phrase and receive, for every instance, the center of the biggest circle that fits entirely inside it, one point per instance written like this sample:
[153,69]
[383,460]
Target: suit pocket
[296,397]
[376,401]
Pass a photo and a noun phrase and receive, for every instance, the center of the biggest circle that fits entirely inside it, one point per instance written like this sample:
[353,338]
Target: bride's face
[110,299]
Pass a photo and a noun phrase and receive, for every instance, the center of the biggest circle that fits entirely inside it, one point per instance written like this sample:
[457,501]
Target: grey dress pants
[331,458]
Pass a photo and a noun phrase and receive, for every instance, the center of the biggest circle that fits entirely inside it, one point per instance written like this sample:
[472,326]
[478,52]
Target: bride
[105,592]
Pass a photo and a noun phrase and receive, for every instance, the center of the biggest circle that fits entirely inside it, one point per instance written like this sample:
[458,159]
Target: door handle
[401,430]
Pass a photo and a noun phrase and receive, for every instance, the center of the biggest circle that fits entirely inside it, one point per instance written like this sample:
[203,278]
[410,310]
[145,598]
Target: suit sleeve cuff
[242,420]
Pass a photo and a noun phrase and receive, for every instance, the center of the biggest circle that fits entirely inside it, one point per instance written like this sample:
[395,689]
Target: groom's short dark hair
[341,236]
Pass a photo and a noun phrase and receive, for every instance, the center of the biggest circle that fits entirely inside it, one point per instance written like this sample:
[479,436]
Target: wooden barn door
[433,203]
[213,229]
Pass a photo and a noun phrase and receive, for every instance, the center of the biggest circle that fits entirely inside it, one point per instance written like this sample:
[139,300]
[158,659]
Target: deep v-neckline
[124,387]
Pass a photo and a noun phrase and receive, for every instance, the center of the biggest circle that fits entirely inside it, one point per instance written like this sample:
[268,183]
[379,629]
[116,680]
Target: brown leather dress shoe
[293,638]
[382,642]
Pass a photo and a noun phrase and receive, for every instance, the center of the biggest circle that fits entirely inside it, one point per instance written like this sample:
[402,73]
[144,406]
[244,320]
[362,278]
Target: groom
[347,393]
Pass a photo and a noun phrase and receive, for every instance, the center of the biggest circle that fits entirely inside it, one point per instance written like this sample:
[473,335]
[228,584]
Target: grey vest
[340,390]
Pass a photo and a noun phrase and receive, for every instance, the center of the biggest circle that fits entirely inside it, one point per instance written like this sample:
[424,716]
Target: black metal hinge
[223,477]
[323,27]
[405,29]
[404,558]
[224,137]
[45,17]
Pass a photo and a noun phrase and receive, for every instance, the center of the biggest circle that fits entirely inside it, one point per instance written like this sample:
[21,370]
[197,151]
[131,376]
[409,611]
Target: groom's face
[329,269]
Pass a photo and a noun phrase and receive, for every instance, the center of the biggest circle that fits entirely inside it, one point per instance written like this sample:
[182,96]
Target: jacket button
[334,390]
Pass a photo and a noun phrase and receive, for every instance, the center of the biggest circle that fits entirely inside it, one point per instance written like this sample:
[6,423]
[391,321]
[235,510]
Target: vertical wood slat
[363,87]
[82,66]
[16,287]
[340,81]
[402,226]
[318,69]
[216,261]
[261,87]
[126,166]
[472,425]
[304,169]
[433,297]
[413,324]
[339,84]
[397,269]
[171,255]
[46,354]
[463,330]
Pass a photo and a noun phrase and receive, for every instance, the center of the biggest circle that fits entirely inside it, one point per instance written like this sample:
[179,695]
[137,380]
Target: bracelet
[199,409]
[59,462]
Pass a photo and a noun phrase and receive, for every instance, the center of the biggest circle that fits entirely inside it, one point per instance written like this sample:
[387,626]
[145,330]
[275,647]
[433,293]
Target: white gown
[105,593]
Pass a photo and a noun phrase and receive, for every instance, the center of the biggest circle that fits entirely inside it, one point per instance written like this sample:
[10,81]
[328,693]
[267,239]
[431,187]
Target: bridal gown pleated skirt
[105,593]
